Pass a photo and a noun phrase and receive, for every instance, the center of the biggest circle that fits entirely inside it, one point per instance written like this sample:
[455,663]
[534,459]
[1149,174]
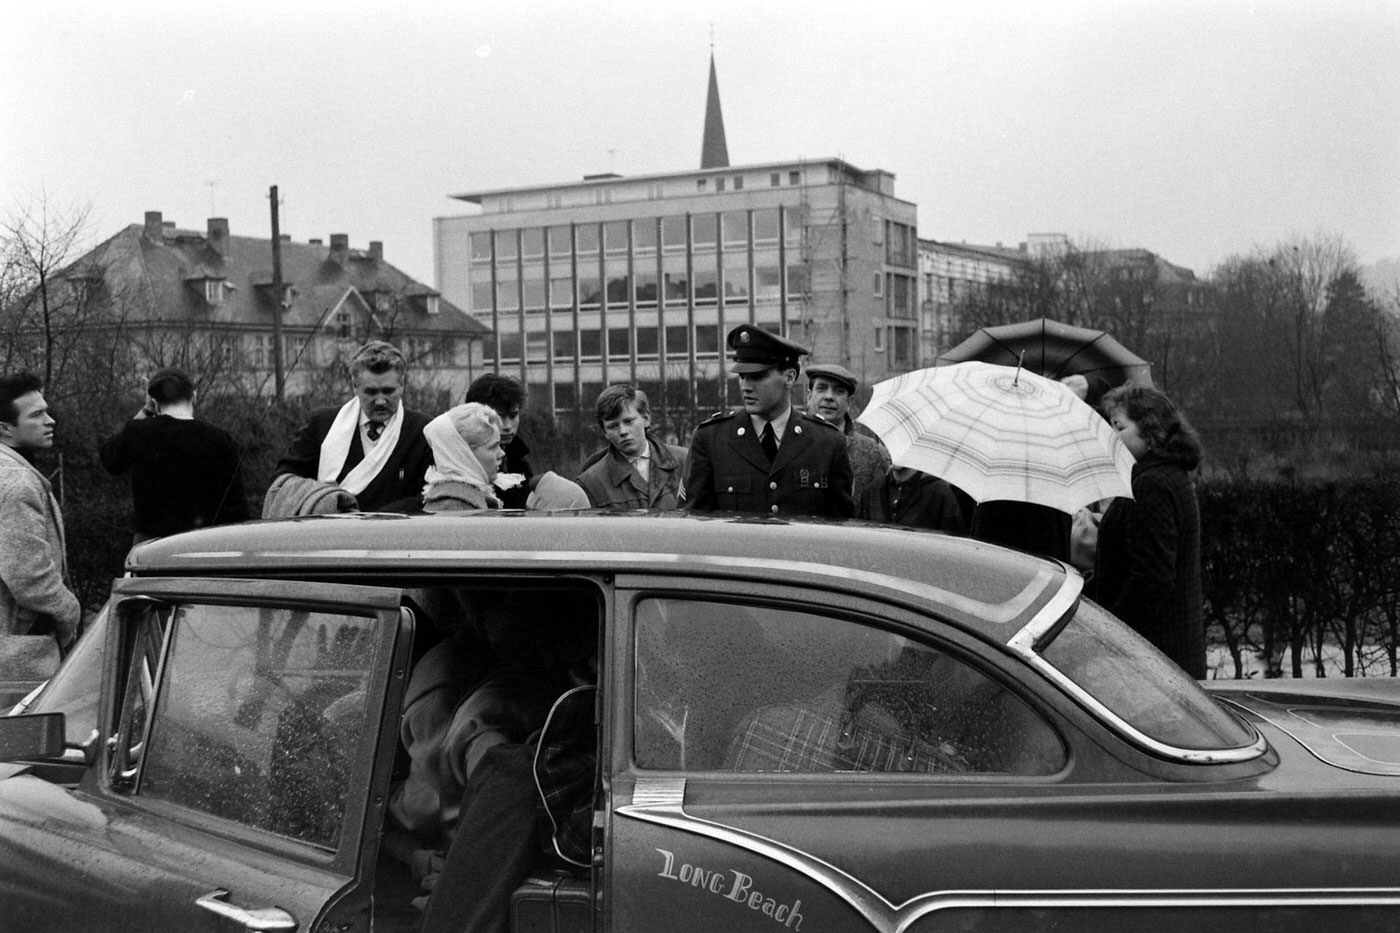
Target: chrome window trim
[1023,643]
[661,802]
[998,613]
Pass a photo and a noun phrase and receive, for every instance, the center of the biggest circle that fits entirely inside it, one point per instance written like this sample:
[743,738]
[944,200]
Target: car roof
[986,589]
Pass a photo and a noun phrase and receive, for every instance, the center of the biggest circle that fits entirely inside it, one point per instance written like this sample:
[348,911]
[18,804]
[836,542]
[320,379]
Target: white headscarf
[452,435]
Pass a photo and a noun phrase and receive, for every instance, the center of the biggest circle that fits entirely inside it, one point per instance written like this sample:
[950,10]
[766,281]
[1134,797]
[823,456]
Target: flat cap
[836,373]
[756,349]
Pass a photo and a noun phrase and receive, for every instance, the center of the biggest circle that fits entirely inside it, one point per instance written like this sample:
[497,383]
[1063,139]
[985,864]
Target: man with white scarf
[372,447]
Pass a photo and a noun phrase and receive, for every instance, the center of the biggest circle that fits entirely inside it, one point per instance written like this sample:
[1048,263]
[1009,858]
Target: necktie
[769,442]
[374,429]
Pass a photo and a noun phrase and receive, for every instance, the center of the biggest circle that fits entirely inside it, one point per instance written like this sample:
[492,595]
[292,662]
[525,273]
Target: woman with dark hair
[1148,566]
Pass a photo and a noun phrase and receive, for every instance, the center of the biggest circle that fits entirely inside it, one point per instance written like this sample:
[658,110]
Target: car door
[782,743]
[805,759]
[245,762]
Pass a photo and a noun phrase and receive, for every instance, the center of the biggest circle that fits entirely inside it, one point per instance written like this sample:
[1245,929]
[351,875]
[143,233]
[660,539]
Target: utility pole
[278,300]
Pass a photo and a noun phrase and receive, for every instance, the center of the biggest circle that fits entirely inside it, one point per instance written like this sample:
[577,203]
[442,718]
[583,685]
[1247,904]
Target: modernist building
[206,299]
[948,274]
[638,279]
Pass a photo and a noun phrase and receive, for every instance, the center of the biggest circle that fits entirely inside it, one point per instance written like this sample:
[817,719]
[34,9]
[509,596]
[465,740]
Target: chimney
[153,225]
[340,247]
[376,250]
[217,235]
[315,242]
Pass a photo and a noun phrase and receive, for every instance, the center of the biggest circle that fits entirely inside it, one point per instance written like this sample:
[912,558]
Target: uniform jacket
[611,482]
[402,475]
[1148,569]
[728,472]
[33,563]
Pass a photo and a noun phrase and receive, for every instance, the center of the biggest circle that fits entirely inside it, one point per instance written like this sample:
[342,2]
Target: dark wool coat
[401,476]
[185,473]
[728,472]
[1148,568]
[923,501]
[517,454]
[612,483]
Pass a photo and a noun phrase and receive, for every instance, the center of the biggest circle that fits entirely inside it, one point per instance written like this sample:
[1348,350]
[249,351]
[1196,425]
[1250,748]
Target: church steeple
[714,152]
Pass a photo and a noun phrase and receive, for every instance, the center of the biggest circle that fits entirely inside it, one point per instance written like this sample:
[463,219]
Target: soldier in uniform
[767,457]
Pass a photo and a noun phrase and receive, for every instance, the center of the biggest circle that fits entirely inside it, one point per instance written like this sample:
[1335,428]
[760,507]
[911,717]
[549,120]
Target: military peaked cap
[755,350]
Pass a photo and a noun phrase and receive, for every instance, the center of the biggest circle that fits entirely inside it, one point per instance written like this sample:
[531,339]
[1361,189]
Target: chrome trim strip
[664,806]
[1023,644]
[999,613]
[1054,610]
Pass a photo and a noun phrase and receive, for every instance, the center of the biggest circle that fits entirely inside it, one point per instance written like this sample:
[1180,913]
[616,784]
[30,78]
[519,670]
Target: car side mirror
[33,736]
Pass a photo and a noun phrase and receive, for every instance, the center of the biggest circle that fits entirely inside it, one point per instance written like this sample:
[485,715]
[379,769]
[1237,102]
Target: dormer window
[430,304]
[383,301]
[210,288]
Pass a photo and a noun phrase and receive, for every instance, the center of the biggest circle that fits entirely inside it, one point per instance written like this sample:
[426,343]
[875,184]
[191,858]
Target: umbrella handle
[1020,361]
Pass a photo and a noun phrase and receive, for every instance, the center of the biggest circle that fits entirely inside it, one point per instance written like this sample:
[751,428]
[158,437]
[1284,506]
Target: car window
[720,686]
[1127,674]
[75,687]
[260,711]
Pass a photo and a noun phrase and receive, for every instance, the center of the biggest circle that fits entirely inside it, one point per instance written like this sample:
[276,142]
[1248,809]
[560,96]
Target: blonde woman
[467,455]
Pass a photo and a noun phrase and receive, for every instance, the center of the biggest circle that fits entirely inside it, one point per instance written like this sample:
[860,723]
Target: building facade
[207,299]
[638,279]
[950,274]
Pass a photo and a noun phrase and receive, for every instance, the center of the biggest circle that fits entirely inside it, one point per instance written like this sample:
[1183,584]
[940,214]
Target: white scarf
[453,458]
[336,446]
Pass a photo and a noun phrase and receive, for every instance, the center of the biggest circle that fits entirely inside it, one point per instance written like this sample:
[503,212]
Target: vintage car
[796,726]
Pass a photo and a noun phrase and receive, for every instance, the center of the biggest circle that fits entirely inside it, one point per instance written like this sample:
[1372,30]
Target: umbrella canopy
[1000,433]
[1053,350]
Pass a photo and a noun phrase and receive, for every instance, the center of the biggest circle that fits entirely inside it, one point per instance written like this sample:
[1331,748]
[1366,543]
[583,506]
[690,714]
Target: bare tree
[41,308]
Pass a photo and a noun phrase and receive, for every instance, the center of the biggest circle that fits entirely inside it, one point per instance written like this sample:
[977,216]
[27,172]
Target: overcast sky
[1197,130]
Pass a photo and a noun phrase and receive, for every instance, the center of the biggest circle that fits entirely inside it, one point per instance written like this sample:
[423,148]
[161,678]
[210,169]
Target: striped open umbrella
[999,432]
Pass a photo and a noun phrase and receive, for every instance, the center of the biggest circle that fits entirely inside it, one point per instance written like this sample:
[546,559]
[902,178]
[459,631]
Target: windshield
[74,688]
[1127,674]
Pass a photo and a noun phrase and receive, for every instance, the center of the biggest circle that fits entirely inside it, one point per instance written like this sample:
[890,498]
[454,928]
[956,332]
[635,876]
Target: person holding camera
[185,473]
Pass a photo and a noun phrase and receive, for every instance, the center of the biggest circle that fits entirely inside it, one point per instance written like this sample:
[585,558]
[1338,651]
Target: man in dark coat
[185,473]
[634,470]
[506,396]
[916,500]
[767,457]
[830,388]
[371,446]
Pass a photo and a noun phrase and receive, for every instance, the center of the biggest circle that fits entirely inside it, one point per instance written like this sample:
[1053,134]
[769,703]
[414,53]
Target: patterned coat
[870,462]
[612,483]
[1148,568]
[33,565]
[728,472]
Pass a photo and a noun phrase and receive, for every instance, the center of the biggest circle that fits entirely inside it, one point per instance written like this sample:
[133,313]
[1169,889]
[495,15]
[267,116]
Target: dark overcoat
[728,471]
[1148,567]
[401,476]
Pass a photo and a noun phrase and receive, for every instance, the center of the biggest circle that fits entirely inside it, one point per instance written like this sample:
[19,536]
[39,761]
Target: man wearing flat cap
[829,391]
[767,458]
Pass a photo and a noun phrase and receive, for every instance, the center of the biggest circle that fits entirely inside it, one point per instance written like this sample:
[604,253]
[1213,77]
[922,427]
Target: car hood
[1349,724]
